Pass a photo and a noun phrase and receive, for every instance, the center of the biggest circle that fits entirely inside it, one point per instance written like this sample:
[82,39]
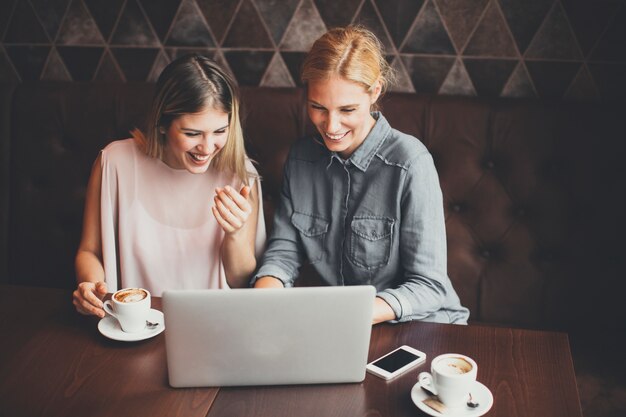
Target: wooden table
[54,362]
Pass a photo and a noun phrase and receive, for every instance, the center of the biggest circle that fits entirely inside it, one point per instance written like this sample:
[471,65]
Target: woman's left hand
[232,208]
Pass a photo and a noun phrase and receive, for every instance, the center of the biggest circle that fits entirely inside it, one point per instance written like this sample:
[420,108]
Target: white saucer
[480,393]
[110,327]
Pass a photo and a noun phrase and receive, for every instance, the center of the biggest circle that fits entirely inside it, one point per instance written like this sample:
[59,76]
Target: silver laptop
[243,337]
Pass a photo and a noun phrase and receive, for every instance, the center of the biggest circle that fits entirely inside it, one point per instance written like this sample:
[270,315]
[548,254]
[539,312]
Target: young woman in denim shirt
[361,201]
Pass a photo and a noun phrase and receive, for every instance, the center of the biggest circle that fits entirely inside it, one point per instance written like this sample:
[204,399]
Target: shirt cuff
[272,271]
[398,304]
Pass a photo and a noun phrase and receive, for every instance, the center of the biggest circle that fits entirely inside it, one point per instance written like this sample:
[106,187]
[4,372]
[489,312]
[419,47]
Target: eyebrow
[345,106]
[200,131]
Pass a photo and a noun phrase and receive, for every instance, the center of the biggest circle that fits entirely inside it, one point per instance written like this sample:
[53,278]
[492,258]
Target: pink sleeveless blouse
[158,231]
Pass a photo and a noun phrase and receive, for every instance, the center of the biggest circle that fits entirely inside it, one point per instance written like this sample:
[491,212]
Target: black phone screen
[396,360]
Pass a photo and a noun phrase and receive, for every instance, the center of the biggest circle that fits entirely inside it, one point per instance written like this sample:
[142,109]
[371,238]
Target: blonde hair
[189,85]
[353,53]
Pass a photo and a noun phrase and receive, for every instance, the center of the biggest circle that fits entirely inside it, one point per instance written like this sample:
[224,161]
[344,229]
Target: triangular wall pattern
[558,49]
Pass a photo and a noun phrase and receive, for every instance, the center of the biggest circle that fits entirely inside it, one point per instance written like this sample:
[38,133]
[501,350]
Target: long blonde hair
[189,85]
[353,53]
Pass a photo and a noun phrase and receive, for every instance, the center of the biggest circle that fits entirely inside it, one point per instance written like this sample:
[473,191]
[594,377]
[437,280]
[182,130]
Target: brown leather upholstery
[534,195]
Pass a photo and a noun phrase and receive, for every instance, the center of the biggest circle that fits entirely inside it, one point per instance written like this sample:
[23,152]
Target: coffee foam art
[453,366]
[131,296]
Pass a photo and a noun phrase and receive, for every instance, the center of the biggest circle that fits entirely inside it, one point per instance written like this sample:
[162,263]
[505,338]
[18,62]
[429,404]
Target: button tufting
[486,253]
[490,164]
[456,208]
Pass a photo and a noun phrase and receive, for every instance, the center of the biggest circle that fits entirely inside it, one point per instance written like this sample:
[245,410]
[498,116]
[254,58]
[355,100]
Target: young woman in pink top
[177,205]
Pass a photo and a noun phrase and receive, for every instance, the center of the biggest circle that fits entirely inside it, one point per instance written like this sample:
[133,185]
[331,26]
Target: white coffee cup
[452,377]
[130,306]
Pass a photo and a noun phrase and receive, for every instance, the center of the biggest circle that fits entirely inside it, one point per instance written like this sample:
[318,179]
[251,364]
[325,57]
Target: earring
[161,130]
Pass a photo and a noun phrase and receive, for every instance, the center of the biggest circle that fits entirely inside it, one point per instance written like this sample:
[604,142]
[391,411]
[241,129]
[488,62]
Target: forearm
[238,260]
[88,267]
[268,282]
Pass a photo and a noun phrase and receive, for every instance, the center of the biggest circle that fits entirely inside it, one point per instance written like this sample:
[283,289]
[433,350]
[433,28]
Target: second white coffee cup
[130,306]
[452,377]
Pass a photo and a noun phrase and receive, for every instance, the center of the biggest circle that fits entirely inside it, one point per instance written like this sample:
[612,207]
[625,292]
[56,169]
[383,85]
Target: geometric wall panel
[519,84]
[610,79]
[489,75]
[557,49]
[105,14]
[133,28]
[24,26]
[293,61]
[427,73]
[248,67]
[429,36]
[81,62]
[458,82]
[398,16]
[461,17]
[247,29]
[491,37]
[78,27]
[7,73]
[277,74]
[161,14]
[108,70]
[589,26]
[135,63]
[306,26]
[337,13]
[55,69]
[189,27]
[524,18]
[28,60]
[369,18]
[552,78]
[6,10]
[277,16]
[612,44]
[583,87]
[555,39]
[50,13]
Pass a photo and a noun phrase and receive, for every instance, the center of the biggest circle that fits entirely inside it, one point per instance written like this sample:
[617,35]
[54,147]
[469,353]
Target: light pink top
[158,231]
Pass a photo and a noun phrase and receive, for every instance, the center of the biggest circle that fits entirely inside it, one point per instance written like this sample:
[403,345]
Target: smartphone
[396,362]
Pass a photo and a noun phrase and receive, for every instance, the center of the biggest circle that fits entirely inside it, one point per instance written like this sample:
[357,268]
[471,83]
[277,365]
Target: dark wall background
[564,49]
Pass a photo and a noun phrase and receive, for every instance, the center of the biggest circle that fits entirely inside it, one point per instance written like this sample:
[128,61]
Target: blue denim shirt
[376,218]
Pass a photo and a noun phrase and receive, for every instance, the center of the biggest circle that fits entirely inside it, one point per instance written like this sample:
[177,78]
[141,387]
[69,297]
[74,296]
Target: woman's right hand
[87,298]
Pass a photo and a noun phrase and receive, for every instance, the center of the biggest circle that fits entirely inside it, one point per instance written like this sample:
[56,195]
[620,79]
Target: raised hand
[232,209]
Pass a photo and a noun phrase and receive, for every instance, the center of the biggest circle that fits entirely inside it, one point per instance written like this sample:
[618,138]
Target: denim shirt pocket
[370,241]
[312,233]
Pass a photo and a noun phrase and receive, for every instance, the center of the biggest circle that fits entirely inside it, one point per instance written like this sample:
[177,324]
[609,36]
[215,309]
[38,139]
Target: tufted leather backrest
[533,192]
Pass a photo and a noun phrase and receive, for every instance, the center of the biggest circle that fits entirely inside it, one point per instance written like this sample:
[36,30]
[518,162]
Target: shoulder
[402,150]
[119,148]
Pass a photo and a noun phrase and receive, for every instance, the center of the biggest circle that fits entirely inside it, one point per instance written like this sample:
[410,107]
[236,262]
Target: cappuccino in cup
[130,306]
[452,377]
[130,295]
[453,366]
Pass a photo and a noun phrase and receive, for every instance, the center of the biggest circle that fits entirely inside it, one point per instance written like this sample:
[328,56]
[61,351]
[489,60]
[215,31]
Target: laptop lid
[243,337]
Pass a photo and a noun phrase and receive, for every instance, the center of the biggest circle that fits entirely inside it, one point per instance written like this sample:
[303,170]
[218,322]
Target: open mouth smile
[335,137]
[197,157]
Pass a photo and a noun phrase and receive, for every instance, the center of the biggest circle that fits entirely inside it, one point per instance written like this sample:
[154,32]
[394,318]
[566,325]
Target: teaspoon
[471,403]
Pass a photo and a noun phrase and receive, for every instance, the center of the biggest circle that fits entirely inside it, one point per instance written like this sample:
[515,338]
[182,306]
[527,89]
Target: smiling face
[194,139]
[340,110]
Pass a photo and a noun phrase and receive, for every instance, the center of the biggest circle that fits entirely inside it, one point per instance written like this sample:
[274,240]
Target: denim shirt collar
[364,154]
